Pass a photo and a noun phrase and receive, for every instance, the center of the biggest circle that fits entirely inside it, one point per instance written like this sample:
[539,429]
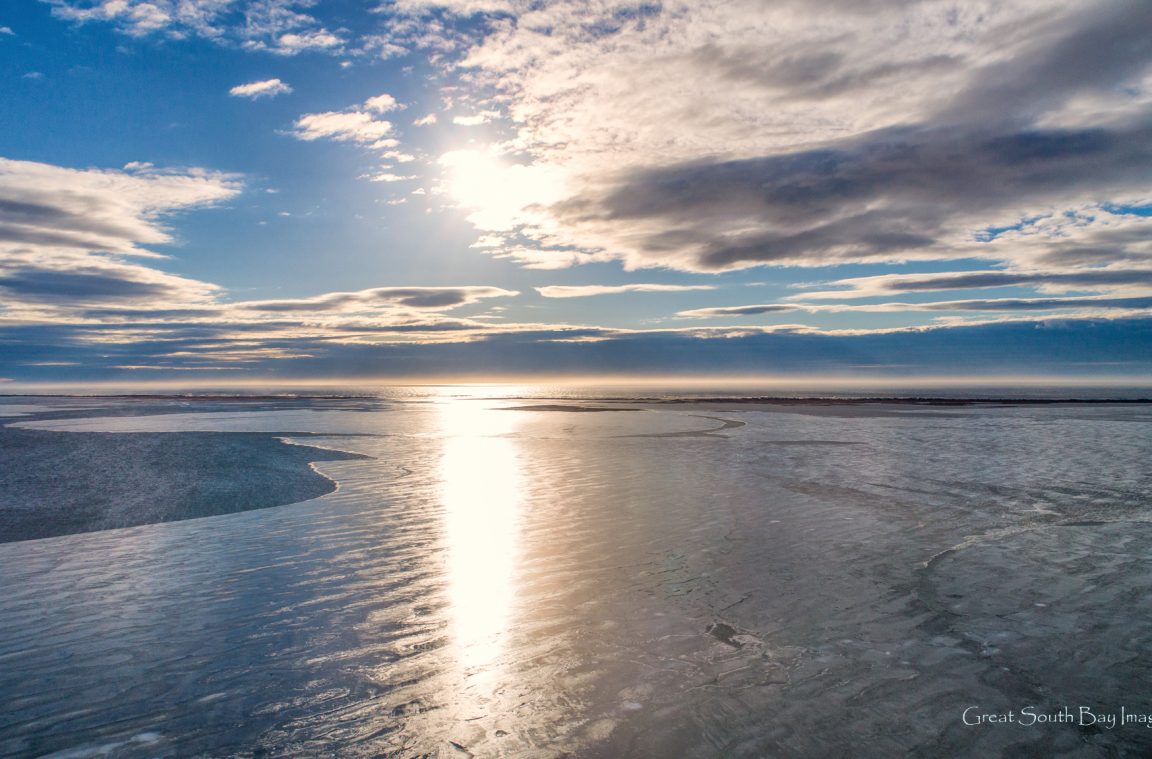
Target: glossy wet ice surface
[688,581]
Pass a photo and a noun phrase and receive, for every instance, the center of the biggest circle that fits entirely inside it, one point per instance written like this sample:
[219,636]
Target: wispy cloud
[267,88]
[436,298]
[584,291]
[1001,305]
[1095,279]
[753,310]
[282,27]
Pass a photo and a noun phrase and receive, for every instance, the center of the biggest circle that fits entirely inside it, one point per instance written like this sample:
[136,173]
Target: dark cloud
[1033,304]
[771,308]
[138,314]
[1105,44]
[37,237]
[917,184]
[51,285]
[973,280]
[990,304]
[15,215]
[997,148]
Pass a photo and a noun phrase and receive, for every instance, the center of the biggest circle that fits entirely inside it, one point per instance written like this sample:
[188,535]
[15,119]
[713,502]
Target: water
[688,580]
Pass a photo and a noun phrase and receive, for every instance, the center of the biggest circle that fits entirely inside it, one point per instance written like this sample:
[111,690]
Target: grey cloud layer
[710,136]
[997,305]
[1089,279]
[1087,347]
[896,194]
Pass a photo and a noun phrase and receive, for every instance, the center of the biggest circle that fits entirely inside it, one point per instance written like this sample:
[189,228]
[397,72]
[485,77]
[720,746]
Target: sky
[221,190]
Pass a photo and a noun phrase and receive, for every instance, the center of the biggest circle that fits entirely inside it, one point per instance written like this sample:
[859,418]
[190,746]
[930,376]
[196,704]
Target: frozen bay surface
[506,578]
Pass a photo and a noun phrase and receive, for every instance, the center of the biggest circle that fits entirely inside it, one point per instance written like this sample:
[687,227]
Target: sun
[500,194]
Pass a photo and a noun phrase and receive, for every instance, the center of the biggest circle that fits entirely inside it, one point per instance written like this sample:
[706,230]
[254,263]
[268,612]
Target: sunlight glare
[500,194]
[480,472]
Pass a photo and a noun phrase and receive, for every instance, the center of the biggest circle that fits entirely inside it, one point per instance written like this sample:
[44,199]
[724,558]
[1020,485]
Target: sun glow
[501,194]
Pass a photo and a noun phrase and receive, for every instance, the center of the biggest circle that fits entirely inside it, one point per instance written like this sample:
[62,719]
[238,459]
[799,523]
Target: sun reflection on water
[482,495]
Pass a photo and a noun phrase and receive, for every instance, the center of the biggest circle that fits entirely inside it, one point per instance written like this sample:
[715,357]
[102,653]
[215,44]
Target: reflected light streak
[482,494]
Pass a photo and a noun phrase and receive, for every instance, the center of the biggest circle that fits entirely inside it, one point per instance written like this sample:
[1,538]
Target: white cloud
[264,89]
[382,103]
[282,27]
[344,126]
[425,120]
[7,31]
[398,156]
[387,177]
[460,7]
[475,120]
[357,124]
[292,42]
[584,291]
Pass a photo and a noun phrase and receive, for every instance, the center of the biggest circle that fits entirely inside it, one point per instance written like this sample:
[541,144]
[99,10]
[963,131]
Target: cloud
[1098,349]
[7,31]
[474,120]
[584,291]
[702,135]
[357,124]
[343,126]
[65,233]
[387,177]
[107,314]
[1110,279]
[892,196]
[267,88]
[425,120]
[292,42]
[73,252]
[86,284]
[94,209]
[1001,305]
[436,298]
[282,27]
[756,310]
[383,103]
[459,7]
[710,136]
